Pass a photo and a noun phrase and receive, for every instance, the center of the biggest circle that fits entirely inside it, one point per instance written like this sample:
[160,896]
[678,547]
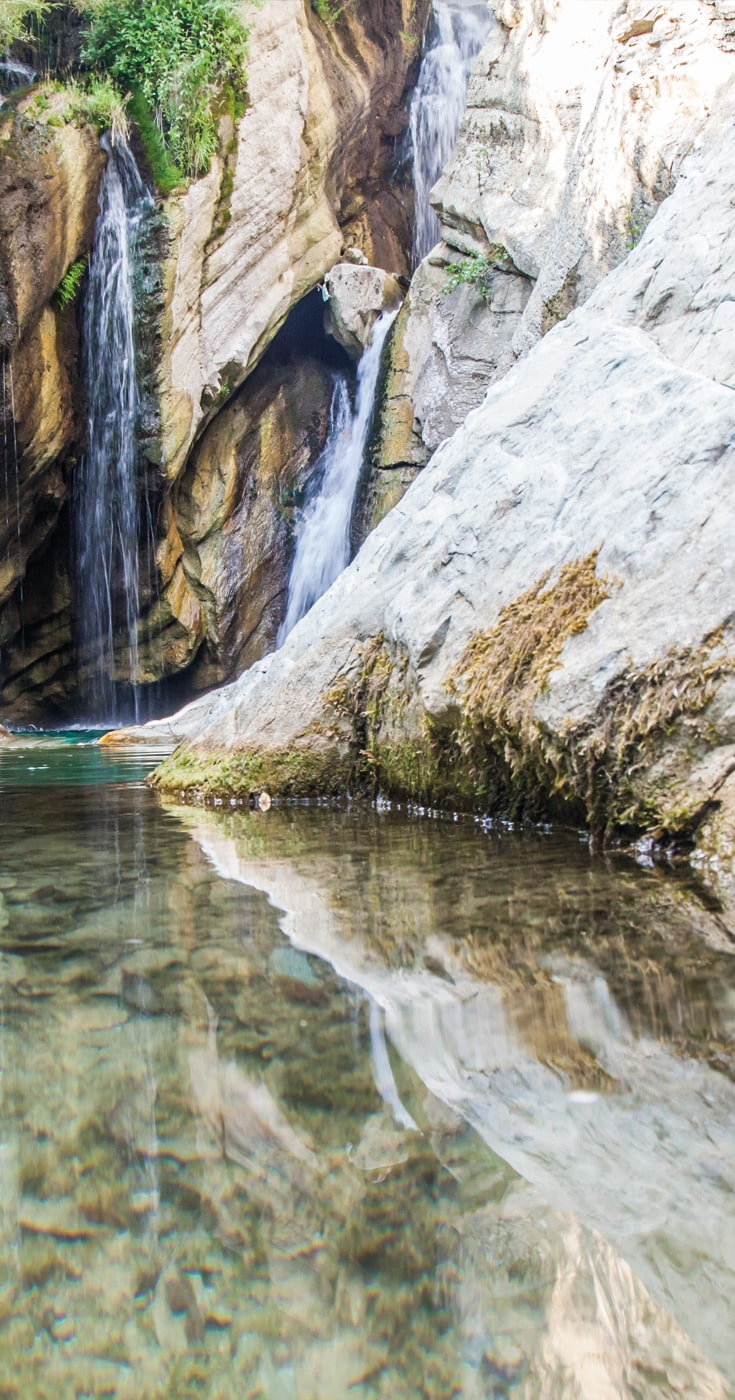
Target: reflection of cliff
[203,1189]
[628,1157]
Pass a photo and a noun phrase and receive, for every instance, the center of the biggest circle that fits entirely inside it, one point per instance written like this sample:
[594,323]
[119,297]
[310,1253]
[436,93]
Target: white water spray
[323,544]
[454,38]
[106,507]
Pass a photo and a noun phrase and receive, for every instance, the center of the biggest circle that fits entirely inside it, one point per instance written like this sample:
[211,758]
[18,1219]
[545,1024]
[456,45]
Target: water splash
[454,38]
[323,545]
[106,495]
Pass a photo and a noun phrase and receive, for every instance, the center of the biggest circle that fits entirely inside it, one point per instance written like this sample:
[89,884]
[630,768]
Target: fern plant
[68,287]
[16,16]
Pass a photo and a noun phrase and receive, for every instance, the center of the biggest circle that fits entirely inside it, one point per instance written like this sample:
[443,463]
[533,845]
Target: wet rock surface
[50,171]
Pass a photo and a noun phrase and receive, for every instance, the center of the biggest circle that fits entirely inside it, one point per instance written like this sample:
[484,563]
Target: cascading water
[455,36]
[106,504]
[13,76]
[323,545]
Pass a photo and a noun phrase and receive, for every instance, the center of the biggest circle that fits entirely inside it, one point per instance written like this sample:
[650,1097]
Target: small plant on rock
[478,272]
[68,287]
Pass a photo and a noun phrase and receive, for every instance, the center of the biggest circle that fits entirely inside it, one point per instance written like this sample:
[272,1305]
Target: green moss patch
[622,771]
[296,772]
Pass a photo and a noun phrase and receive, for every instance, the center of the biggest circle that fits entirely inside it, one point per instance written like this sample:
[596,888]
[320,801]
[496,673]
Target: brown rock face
[49,180]
[305,171]
[233,512]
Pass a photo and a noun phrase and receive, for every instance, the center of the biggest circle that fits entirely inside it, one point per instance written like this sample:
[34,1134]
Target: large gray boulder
[356,295]
[547,616]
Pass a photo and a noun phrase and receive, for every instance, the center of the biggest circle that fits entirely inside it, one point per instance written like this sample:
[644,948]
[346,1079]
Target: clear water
[454,38]
[341,1103]
[323,538]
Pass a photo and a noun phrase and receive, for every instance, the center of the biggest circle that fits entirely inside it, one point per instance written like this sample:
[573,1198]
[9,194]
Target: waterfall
[455,36]
[323,543]
[106,506]
[14,76]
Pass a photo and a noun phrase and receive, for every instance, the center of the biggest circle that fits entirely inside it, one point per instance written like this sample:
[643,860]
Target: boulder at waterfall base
[544,624]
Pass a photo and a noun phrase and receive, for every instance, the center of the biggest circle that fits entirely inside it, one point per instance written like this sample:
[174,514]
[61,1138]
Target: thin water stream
[323,538]
[456,32]
[107,491]
[342,1103]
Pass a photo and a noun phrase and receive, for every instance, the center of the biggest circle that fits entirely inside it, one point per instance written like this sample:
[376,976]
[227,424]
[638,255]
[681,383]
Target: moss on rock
[296,772]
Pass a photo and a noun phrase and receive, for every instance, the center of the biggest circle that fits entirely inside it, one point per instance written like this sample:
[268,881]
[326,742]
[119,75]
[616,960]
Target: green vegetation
[70,283]
[167,175]
[478,272]
[636,223]
[295,772]
[328,11]
[180,56]
[98,102]
[16,16]
[175,65]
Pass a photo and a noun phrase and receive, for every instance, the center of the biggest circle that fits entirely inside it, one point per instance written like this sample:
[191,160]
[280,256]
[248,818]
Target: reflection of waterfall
[382,1070]
[106,509]
[455,36]
[323,545]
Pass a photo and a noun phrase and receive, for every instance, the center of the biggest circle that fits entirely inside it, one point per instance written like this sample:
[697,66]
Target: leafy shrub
[477,271]
[180,55]
[167,176]
[70,283]
[328,11]
[98,102]
[15,16]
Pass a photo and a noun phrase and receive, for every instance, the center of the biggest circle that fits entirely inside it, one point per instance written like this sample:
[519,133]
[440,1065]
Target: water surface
[339,1103]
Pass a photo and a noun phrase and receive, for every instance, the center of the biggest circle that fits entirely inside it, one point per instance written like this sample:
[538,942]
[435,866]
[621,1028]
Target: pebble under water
[327,1102]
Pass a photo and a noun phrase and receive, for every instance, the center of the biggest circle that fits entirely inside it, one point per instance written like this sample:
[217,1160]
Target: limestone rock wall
[233,509]
[579,114]
[306,170]
[545,621]
[50,170]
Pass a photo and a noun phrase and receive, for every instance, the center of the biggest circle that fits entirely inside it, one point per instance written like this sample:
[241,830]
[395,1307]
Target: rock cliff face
[579,115]
[545,622]
[307,168]
[49,177]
